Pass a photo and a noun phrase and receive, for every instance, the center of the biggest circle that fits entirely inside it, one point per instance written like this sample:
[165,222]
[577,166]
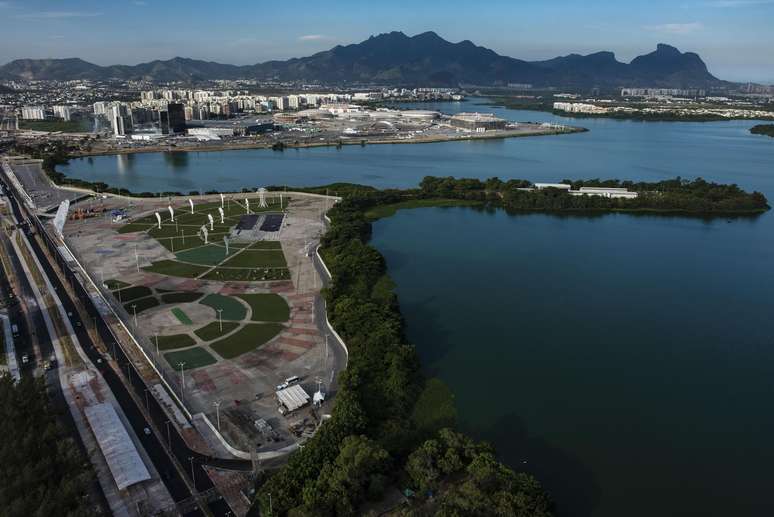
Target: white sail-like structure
[61,216]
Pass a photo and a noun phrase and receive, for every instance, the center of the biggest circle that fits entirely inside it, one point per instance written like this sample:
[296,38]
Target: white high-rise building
[33,113]
[120,119]
[62,112]
[101,108]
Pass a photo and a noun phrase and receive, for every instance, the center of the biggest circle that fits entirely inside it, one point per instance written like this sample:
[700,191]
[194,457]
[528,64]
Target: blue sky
[735,37]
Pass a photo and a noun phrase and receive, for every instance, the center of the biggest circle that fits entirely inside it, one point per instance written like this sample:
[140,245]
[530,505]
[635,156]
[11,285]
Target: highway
[166,434]
[27,316]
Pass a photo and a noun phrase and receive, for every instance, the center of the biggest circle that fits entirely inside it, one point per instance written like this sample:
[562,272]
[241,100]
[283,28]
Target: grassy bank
[381,211]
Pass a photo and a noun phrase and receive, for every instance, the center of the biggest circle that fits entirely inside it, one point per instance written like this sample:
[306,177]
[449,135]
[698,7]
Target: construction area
[221,293]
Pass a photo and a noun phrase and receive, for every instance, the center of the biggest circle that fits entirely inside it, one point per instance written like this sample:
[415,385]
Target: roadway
[188,459]
[34,336]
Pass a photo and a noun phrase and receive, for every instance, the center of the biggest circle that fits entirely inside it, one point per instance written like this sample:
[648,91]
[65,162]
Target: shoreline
[239,146]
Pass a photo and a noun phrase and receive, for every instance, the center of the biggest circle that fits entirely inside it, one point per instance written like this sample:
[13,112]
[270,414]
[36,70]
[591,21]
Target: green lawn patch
[113,284]
[246,339]
[192,357]
[233,309]
[135,227]
[181,316]
[132,293]
[209,255]
[267,307]
[381,211]
[212,330]
[143,304]
[266,245]
[247,275]
[65,126]
[174,268]
[251,258]
[175,341]
[184,297]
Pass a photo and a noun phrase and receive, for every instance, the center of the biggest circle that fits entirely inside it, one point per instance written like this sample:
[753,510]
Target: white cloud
[676,28]
[315,37]
[54,15]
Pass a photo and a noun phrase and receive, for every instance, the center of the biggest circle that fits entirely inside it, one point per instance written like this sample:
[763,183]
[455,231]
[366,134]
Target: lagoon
[634,355]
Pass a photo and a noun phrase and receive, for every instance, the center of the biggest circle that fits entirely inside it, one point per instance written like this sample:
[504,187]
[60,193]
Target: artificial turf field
[195,357]
[244,262]
[246,339]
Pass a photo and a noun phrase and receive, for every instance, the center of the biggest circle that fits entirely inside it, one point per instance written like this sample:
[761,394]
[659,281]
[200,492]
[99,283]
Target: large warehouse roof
[120,453]
[293,397]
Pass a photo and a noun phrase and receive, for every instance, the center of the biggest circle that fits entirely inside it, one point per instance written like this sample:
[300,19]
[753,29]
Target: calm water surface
[627,361]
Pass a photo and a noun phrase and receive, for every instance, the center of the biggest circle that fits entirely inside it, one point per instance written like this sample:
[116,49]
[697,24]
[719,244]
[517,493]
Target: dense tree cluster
[695,196]
[43,470]
[763,129]
[384,408]
[468,480]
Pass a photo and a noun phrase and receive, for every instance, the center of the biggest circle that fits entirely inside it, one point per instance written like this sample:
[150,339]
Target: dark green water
[627,361]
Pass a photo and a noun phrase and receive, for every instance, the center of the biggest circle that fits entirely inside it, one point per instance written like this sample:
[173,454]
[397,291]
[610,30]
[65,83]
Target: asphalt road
[190,460]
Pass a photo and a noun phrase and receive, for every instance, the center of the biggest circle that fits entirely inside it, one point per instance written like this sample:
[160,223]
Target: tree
[357,474]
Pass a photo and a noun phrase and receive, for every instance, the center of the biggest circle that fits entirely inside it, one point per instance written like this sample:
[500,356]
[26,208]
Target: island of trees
[763,129]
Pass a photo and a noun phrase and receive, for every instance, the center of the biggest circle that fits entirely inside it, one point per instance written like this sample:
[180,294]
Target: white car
[147,431]
[25,359]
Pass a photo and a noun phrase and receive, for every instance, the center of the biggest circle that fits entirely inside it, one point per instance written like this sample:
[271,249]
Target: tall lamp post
[182,379]
[217,412]
[134,309]
[220,319]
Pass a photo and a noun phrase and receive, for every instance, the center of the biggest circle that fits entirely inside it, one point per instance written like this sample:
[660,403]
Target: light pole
[134,309]
[136,258]
[182,379]
[193,474]
[169,436]
[217,412]
[147,403]
[157,347]
[220,319]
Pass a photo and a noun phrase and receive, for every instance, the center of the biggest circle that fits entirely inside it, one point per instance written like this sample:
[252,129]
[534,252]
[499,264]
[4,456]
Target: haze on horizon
[734,37]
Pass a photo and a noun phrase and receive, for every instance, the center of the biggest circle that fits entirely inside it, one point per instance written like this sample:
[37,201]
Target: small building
[562,186]
[611,192]
[292,399]
[478,122]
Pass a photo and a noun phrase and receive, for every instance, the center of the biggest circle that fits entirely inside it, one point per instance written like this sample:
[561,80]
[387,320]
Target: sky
[734,37]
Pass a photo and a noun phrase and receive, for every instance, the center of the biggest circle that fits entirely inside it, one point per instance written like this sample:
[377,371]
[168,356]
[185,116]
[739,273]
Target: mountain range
[400,60]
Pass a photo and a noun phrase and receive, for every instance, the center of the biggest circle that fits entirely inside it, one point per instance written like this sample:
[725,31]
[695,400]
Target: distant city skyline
[734,37]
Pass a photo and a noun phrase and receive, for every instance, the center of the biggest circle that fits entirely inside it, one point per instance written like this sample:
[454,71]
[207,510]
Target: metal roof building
[293,397]
[121,455]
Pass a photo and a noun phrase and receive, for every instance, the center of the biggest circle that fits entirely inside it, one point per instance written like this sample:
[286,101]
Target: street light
[182,378]
[136,258]
[217,412]
[134,309]
[193,474]
[147,404]
[220,319]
